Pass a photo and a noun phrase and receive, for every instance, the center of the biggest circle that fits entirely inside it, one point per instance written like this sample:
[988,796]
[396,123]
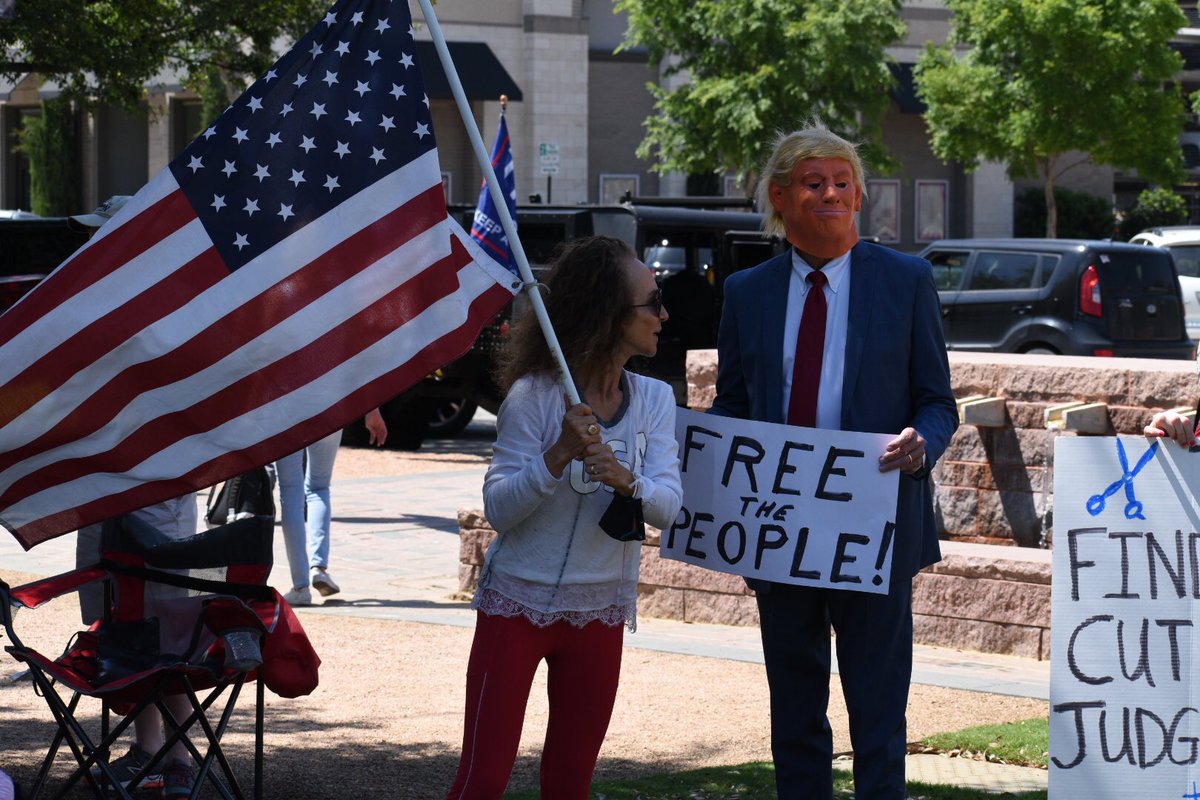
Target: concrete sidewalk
[403,565]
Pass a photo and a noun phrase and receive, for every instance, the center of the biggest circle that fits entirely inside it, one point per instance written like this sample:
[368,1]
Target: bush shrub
[1154,208]
[1080,215]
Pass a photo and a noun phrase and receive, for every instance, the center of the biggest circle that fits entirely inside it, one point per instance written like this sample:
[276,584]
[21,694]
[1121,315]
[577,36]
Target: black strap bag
[240,497]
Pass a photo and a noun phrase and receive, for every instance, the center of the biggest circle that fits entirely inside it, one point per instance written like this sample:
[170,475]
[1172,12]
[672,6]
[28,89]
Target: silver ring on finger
[593,429]
[910,461]
[591,469]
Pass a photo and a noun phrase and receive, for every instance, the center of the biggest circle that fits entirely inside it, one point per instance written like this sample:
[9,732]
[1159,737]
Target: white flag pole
[493,184]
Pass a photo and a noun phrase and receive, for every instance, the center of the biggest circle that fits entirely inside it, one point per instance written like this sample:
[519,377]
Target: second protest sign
[784,504]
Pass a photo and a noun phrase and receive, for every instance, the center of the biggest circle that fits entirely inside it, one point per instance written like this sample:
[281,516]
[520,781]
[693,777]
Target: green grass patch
[925,791]
[1026,743]
[755,781]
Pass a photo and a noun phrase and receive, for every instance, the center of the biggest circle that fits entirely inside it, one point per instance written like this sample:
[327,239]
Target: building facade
[575,115]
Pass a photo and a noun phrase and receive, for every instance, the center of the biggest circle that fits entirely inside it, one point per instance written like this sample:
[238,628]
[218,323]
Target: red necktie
[810,346]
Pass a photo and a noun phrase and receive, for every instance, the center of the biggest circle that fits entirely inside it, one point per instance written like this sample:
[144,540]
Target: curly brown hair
[588,301]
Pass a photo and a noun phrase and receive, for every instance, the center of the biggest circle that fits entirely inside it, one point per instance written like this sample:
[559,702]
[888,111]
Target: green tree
[214,97]
[1044,78]
[751,68]
[110,49]
[50,141]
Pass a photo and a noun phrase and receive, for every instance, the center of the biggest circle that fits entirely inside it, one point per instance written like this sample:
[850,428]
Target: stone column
[556,94]
[991,201]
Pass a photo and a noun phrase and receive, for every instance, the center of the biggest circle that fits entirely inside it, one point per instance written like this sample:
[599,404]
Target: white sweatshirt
[551,561]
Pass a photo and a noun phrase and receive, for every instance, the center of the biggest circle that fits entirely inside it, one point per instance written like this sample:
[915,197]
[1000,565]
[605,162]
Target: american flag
[486,228]
[292,269]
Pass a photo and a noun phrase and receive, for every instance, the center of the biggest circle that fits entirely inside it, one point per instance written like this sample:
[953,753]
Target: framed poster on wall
[883,210]
[931,207]
[614,186]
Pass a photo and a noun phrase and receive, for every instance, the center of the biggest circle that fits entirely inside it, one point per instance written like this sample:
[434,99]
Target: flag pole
[493,184]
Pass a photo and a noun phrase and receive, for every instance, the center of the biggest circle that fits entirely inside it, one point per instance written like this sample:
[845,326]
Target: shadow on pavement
[481,446]
[405,523]
[375,602]
[313,759]
[408,520]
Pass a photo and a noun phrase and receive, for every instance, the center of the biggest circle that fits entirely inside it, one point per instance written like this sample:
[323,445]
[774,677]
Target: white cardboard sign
[785,504]
[1125,653]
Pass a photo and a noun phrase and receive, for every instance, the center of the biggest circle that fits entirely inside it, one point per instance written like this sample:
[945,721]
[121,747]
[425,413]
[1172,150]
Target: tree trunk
[1051,206]
[750,184]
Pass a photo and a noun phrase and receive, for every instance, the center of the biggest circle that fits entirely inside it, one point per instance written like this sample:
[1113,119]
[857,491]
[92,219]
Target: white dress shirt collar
[835,270]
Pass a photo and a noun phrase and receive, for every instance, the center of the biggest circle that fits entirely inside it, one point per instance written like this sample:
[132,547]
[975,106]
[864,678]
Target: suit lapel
[774,309]
[863,286]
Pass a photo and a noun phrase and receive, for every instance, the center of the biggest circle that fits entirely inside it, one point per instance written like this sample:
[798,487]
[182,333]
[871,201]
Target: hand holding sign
[1173,425]
[906,452]
[785,504]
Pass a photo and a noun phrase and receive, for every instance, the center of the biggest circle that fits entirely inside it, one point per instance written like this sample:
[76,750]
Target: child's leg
[148,731]
[181,709]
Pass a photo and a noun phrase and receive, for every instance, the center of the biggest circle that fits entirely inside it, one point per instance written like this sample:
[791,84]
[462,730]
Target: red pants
[584,667]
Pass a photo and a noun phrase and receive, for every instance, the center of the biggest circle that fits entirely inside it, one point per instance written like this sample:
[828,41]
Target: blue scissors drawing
[1133,508]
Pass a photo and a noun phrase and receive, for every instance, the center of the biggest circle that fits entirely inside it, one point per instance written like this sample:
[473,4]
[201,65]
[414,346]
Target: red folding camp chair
[183,616]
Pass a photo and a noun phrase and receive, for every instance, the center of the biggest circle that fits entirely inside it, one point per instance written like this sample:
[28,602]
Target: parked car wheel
[450,415]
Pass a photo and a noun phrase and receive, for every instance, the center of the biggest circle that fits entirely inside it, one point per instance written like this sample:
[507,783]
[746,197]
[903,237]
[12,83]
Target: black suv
[1075,297]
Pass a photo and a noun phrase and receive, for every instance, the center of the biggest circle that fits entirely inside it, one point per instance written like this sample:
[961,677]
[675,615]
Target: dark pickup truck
[691,250]
[30,248]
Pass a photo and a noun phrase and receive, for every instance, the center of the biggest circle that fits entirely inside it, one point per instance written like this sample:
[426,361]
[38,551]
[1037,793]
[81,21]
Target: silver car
[1184,243]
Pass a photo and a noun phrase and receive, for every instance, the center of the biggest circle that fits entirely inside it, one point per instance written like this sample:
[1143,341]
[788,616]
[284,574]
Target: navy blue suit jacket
[896,373]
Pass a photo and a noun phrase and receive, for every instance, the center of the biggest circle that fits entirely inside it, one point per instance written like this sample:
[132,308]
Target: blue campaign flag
[486,229]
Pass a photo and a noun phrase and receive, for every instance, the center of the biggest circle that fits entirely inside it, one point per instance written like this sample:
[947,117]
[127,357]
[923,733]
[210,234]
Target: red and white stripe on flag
[144,367]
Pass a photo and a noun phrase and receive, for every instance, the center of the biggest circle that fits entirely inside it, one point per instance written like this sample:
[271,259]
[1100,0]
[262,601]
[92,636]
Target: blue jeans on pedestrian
[304,479]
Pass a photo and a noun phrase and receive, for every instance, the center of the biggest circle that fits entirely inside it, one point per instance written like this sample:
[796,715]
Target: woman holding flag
[567,492]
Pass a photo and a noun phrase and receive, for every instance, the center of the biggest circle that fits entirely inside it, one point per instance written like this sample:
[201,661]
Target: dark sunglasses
[655,304]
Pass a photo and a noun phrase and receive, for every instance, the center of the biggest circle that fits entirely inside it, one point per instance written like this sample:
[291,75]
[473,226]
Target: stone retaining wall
[996,485]
[979,597]
[994,489]
[987,598]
